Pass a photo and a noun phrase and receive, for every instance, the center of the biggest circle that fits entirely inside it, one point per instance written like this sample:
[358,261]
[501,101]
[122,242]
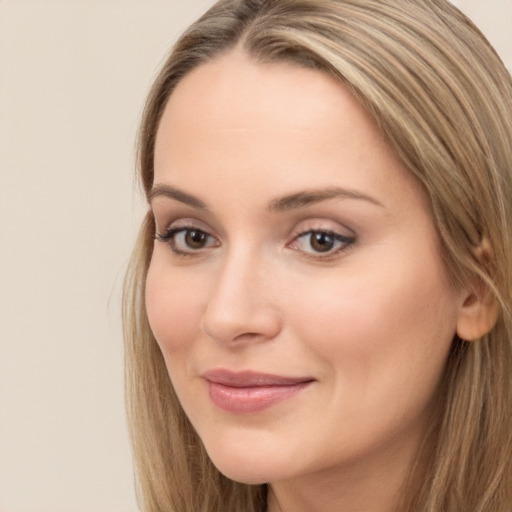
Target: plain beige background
[73,77]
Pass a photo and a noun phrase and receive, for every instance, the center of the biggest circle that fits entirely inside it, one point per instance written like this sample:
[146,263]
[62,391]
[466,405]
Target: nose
[242,305]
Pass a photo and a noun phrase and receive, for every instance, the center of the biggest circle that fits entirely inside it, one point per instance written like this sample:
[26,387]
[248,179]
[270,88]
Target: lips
[251,392]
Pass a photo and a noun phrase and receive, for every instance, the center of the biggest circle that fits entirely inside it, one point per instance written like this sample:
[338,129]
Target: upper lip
[246,379]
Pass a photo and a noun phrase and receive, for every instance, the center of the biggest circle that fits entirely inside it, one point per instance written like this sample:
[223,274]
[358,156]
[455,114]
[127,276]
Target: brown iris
[322,242]
[195,238]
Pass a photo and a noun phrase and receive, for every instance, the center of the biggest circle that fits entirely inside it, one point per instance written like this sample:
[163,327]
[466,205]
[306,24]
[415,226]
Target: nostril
[247,336]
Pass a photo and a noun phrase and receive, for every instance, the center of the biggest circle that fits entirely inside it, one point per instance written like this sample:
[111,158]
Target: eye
[321,242]
[187,240]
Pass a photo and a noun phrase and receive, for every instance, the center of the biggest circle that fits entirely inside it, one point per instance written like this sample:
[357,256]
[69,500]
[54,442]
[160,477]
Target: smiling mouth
[251,392]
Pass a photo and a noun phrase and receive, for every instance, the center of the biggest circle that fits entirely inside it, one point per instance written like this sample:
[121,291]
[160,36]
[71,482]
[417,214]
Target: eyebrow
[176,194]
[310,197]
[294,201]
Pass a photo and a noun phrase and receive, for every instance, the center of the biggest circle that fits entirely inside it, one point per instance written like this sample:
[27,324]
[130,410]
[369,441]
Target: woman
[318,309]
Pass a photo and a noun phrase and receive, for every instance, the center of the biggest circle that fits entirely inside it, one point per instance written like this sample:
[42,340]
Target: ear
[477,316]
[480,310]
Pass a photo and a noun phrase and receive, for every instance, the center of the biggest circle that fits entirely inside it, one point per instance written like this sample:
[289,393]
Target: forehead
[273,128]
[232,92]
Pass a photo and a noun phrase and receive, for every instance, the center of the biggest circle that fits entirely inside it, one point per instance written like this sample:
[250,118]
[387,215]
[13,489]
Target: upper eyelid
[326,231]
[183,223]
[324,225]
[178,229]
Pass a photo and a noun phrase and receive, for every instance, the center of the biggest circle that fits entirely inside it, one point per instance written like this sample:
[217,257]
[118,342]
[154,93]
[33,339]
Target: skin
[370,321]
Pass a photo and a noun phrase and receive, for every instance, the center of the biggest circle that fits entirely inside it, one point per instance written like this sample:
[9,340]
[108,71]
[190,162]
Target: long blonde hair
[444,99]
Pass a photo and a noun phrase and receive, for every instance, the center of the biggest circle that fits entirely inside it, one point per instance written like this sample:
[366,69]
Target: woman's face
[296,289]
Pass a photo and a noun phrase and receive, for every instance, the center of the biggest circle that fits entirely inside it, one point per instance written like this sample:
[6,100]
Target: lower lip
[251,399]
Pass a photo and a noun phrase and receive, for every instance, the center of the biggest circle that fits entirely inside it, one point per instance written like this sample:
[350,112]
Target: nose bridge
[241,305]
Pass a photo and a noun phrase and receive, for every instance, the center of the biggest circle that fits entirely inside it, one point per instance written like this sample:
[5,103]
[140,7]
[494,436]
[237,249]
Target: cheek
[393,324]
[173,305]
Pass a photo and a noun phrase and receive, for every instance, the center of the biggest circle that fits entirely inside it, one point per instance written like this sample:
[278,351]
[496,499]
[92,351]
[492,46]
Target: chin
[244,475]
[247,468]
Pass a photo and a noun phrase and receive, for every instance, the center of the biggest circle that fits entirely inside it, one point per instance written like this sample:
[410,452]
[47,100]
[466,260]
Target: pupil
[322,242]
[195,239]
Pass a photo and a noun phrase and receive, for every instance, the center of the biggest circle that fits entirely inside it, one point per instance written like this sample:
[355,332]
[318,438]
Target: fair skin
[342,287]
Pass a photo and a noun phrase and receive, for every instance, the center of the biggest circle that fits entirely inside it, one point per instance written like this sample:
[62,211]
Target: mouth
[251,392]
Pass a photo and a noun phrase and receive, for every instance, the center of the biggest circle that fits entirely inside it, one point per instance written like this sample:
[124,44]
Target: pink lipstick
[250,392]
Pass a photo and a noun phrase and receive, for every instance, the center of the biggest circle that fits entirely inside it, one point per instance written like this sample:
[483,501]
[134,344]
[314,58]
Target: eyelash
[345,242]
[169,237]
